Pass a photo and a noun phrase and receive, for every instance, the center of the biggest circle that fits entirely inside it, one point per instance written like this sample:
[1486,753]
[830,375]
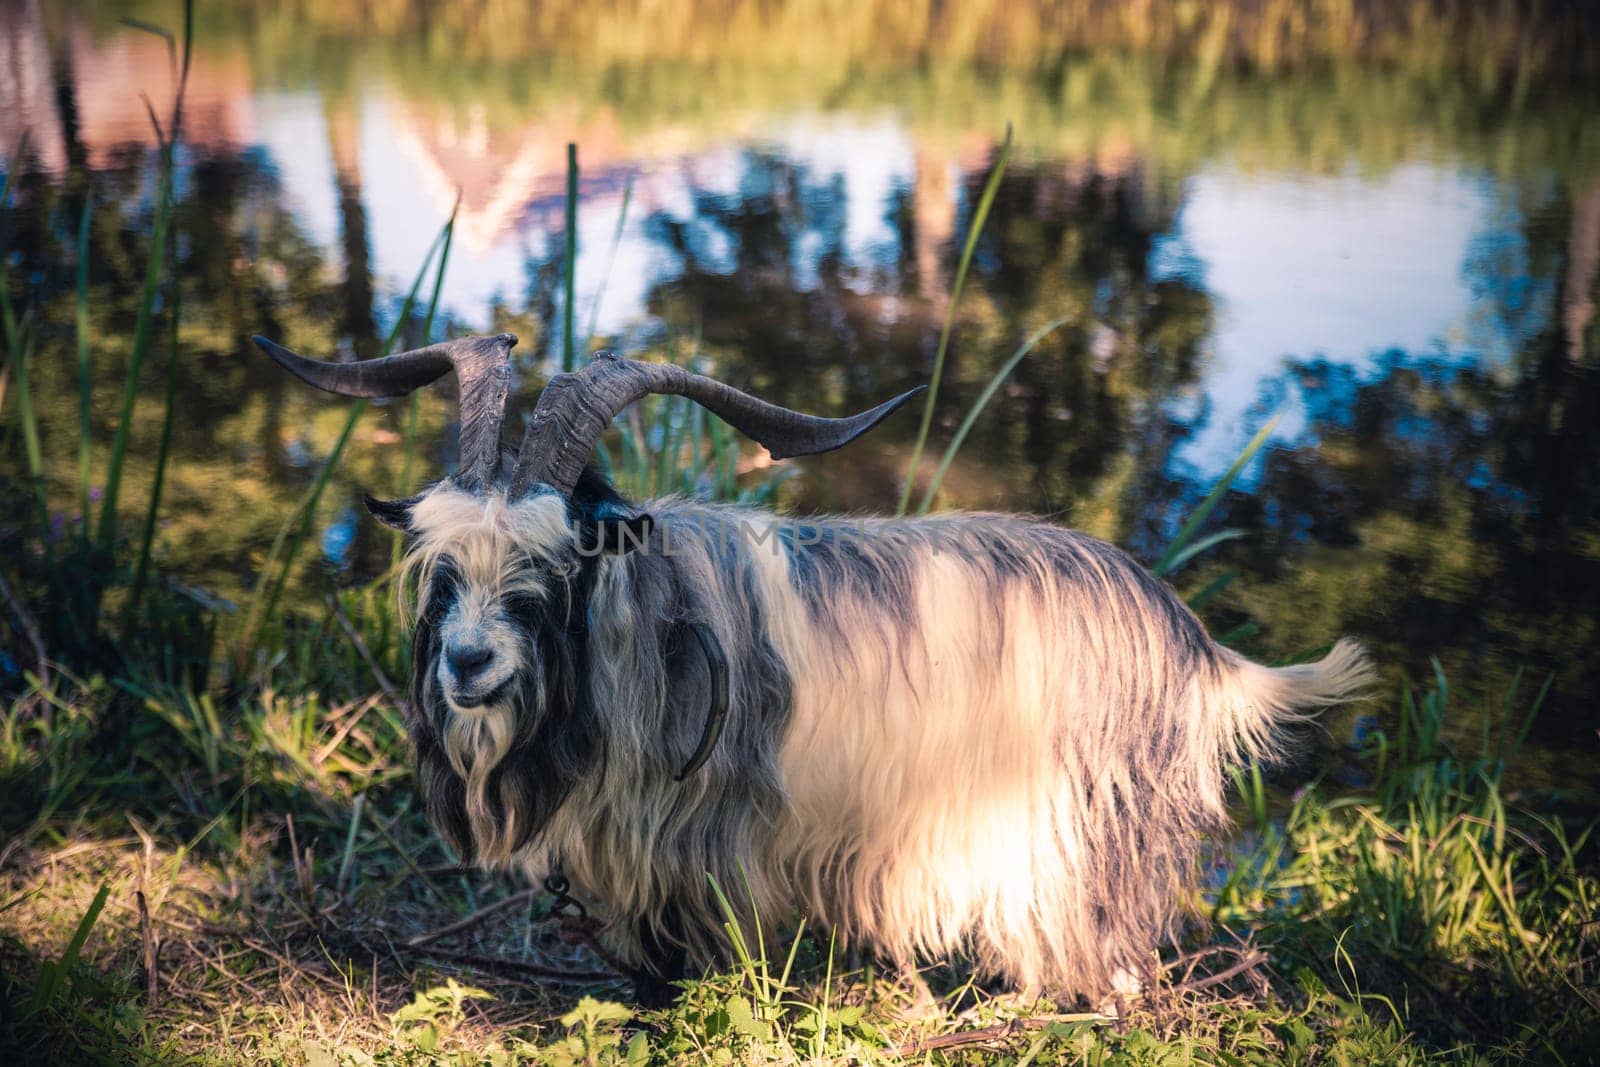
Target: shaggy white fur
[967,735]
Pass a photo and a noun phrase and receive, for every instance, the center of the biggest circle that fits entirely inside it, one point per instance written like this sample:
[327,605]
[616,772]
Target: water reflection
[1346,269]
[1397,259]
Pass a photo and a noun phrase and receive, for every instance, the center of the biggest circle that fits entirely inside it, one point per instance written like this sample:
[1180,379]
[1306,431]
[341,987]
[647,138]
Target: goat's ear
[395,513]
[618,529]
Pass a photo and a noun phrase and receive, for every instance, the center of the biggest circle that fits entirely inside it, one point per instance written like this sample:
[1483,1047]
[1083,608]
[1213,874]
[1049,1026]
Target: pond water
[1386,239]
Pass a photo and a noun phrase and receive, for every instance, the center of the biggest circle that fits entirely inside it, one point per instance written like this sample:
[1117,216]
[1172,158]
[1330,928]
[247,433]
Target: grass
[250,881]
[199,869]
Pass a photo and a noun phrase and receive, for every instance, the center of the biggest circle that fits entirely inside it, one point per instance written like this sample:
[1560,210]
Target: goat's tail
[1259,701]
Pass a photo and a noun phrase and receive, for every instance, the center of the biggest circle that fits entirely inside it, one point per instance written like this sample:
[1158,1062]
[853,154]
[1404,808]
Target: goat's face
[490,575]
[499,714]
[499,610]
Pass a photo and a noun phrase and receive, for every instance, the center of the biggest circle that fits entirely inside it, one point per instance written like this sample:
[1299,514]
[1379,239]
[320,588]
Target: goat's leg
[652,983]
[664,962]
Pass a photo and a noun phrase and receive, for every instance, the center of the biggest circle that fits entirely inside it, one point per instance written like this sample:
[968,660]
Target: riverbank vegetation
[194,875]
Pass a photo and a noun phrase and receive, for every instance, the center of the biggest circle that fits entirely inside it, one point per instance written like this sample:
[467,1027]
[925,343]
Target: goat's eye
[555,568]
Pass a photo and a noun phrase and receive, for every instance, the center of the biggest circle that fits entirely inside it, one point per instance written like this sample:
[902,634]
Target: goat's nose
[469,660]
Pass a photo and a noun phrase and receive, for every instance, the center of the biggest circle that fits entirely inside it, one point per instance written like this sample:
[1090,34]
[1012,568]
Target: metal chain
[556,884]
[576,926]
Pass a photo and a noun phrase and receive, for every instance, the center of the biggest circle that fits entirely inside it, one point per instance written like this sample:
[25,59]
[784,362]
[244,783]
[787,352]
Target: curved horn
[575,409]
[482,366]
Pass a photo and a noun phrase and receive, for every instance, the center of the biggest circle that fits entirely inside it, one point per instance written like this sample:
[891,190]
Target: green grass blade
[147,533]
[25,412]
[1213,498]
[30,435]
[1239,633]
[107,530]
[183,76]
[18,339]
[81,328]
[611,259]
[49,981]
[443,243]
[1212,588]
[726,456]
[80,936]
[978,407]
[291,536]
[15,161]
[671,432]
[408,451]
[414,407]
[1194,548]
[569,342]
[741,947]
[346,864]
[1533,710]
[293,533]
[979,217]
[696,466]
[8,317]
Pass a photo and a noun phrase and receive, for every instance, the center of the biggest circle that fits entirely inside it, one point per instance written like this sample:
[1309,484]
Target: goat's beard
[493,777]
[476,745]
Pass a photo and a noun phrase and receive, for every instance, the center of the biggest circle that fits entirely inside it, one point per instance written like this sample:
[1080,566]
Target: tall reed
[147,532]
[414,404]
[1185,545]
[974,231]
[611,260]
[144,323]
[987,394]
[19,349]
[569,339]
[292,535]
[80,324]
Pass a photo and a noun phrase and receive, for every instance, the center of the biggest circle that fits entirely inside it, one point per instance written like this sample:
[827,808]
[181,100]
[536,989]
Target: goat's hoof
[652,991]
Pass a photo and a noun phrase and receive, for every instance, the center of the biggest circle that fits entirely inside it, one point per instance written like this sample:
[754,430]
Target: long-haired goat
[972,734]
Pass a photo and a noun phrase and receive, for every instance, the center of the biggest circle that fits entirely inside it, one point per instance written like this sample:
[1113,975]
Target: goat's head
[505,553]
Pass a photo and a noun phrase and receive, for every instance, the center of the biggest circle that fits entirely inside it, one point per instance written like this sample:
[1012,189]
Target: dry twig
[998,1032]
[515,967]
[355,716]
[1248,961]
[473,919]
[366,655]
[151,950]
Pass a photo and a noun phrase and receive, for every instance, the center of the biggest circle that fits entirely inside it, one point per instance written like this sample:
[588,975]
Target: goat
[968,735]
